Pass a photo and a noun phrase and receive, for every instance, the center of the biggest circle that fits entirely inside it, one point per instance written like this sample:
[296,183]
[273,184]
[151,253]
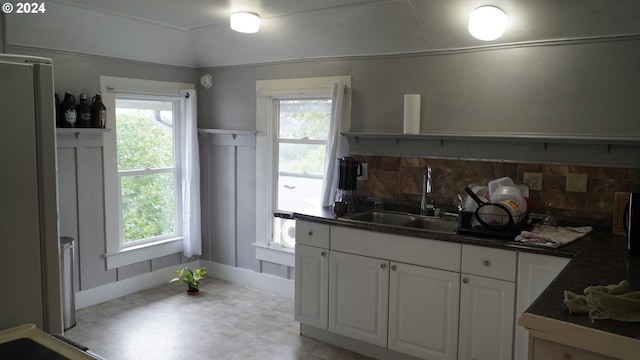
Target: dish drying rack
[467,223]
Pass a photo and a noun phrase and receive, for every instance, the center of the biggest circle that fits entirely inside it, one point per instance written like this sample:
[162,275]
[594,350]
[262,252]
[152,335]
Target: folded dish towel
[615,302]
[553,236]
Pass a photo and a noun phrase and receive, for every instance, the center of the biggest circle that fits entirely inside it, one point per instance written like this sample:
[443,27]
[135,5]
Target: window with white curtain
[293,121]
[301,146]
[145,169]
[148,153]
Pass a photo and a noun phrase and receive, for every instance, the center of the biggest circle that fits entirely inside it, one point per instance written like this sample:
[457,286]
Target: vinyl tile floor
[225,321]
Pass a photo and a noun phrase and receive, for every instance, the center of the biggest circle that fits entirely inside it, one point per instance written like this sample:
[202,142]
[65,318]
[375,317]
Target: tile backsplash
[399,180]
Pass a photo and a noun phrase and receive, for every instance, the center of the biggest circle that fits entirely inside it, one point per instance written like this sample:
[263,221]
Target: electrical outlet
[576,182]
[365,172]
[534,180]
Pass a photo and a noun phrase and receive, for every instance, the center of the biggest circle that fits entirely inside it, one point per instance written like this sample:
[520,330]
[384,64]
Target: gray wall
[80,175]
[565,87]
[2,32]
[579,88]
[557,89]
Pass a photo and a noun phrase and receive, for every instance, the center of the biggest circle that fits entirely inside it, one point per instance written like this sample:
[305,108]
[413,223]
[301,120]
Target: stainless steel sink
[445,224]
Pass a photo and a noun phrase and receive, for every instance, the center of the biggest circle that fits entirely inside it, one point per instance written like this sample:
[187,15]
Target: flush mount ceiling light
[245,22]
[487,23]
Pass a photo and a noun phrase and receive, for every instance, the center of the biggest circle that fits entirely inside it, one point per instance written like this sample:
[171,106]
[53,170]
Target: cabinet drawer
[313,234]
[547,350]
[407,249]
[489,262]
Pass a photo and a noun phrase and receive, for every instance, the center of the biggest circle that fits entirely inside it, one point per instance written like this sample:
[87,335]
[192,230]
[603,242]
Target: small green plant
[190,277]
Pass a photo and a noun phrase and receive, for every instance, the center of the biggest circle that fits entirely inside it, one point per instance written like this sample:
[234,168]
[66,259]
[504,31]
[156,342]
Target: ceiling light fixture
[245,22]
[487,23]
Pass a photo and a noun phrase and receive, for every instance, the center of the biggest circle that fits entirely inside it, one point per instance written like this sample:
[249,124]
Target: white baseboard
[268,283]
[264,282]
[128,286]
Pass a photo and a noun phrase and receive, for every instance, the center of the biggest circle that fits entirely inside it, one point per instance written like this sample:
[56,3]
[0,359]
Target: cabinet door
[535,273]
[358,294]
[312,286]
[486,318]
[423,311]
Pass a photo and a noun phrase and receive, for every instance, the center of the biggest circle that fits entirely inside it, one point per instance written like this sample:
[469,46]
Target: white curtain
[191,232]
[336,145]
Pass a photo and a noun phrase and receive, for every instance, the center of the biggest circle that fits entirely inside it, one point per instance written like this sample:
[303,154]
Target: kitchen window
[144,169]
[293,121]
[148,156]
[301,144]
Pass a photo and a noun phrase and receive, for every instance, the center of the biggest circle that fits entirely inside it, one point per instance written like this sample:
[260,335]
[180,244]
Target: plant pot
[192,290]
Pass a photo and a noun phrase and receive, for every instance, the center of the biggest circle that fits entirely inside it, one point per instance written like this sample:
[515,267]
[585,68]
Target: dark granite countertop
[597,259]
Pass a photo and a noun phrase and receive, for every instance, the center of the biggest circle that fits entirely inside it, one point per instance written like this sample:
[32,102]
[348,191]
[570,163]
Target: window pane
[148,206]
[301,158]
[298,194]
[304,119]
[144,133]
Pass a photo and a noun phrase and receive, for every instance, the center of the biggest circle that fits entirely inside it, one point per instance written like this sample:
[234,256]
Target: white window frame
[174,170]
[267,92]
[118,255]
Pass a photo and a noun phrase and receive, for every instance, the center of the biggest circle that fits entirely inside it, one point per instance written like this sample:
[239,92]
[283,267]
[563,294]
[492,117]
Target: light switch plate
[534,180]
[576,182]
[365,172]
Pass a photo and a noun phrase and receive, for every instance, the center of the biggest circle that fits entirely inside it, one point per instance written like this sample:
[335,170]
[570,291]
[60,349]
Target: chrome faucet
[428,206]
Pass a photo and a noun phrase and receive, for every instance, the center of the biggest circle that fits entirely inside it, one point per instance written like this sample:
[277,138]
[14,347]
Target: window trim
[116,255]
[266,92]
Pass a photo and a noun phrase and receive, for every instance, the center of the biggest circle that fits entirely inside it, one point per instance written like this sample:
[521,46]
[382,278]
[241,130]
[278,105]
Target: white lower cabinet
[486,318]
[407,308]
[358,297]
[358,300]
[423,311]
[487,302]
[535,273]
[427,299]
[312,286]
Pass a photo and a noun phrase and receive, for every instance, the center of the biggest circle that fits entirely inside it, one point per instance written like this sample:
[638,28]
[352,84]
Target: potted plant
[190,277]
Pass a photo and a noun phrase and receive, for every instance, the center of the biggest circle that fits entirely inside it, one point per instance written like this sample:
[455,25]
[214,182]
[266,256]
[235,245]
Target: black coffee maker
[348,171]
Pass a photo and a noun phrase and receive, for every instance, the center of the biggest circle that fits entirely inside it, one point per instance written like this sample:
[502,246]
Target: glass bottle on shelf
[67,111]
[83,109]
[98,112]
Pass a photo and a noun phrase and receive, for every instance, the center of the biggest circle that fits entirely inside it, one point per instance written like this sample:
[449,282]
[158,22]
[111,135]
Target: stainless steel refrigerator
[29,241]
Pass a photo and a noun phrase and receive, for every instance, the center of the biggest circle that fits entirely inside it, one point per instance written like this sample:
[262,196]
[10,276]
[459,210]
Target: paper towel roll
[412,113]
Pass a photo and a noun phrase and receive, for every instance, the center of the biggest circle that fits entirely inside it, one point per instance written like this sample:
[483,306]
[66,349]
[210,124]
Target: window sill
[276,255]
[144,252]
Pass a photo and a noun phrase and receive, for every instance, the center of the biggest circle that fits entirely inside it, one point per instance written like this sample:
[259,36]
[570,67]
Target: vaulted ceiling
[196,33]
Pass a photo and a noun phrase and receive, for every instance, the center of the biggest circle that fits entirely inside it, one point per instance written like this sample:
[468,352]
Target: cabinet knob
[393,267]
[465,280]
[324,253]
[567,356]
[486,263]
[310,233]
[383,266]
